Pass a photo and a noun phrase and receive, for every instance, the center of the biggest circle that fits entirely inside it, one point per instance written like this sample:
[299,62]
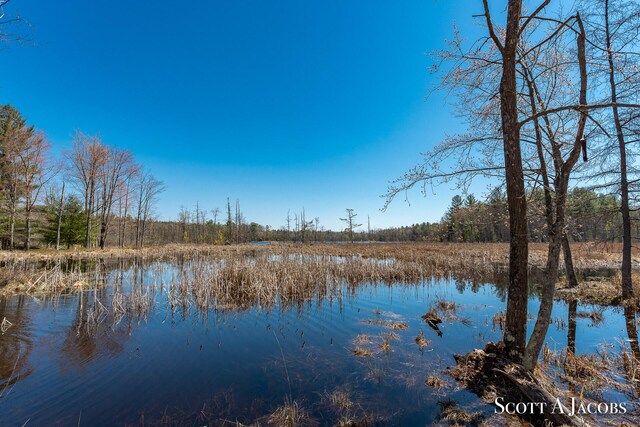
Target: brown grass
[422,341]
[291,414]
[307,265]
[434,381]
[398,326]
[450,412]
[362,352]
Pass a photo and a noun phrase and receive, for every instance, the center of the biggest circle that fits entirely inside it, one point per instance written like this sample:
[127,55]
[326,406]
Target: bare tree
[238,224]
[288,223]
[184,218]
[125,198]
[517,114]
[350,222]
[85,165]
[35,170]
[15,135]
[111,180]
[59,212]
[229,225]
[544,131]
[614,47]
[215,212]
[10,24]
[149,188]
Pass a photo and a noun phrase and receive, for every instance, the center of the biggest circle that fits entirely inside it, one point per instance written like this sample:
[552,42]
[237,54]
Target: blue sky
[282,104]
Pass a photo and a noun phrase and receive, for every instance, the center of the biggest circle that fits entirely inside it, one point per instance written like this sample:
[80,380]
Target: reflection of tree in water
[93,331]
[632,359]
[475,284]
[571,330]
[15,343]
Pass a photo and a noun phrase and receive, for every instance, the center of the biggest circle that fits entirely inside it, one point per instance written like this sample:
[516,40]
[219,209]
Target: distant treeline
[591,217]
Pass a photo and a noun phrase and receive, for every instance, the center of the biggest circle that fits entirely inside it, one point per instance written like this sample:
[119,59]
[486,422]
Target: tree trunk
[60,211]
[632,330]
[561,183]
[89,205]
[568,262]
[546,298]
[571,328]
[12,224]
[103,234]
[27,220]
[627,285]
[515,333]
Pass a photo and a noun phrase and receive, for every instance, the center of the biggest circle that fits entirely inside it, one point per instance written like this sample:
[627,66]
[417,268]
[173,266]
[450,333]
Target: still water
[70,360]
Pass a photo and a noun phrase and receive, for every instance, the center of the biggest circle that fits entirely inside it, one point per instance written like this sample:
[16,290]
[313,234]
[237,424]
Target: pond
[144,349]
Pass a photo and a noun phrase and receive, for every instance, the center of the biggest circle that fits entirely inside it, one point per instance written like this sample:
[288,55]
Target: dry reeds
[338,400]
[450,412]
[5,325]
[362,352]
[434,381]
[422,341]
[291,414]
[353,264]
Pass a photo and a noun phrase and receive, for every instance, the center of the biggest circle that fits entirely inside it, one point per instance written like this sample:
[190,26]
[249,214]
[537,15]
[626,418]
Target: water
[193,367]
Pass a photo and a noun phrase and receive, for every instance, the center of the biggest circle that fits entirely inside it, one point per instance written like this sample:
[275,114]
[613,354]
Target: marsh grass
[421,341]
[232,279]
[455,416]
[291,414]
[48,271]
[611,367]
[362,352]
[347,411]
[498,321]
[362,339]
[596,316]
[434,381]
[339,401]
[397,326]
[5,325]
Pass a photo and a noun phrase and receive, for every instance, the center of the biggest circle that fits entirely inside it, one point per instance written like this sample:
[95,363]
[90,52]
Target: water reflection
[572,324]
[15,344]
[93,332]
[204,341]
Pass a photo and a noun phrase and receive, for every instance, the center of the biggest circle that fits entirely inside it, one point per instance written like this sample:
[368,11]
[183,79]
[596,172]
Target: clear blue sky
[282,104]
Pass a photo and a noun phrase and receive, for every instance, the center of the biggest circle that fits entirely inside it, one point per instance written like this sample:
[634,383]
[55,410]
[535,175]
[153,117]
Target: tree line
[97,195]
[94,194]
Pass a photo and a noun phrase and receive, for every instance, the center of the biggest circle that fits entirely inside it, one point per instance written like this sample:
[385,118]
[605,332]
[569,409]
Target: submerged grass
[455,416]
[291,414]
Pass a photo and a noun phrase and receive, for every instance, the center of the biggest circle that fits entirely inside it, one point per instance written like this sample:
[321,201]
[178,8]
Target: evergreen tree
[72,230]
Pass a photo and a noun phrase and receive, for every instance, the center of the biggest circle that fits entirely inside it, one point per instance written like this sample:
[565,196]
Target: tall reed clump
[239,282]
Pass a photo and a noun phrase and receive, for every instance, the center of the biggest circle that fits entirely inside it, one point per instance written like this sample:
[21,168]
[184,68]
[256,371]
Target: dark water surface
[62,365]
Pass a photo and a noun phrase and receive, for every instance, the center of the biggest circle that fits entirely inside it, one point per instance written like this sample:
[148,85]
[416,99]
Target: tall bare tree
[125,199]
[86,161]
[11,24]
[350,222]
[13,142]
[35,171]
[613,26]
[491,83]
[111,180]
[149,188]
